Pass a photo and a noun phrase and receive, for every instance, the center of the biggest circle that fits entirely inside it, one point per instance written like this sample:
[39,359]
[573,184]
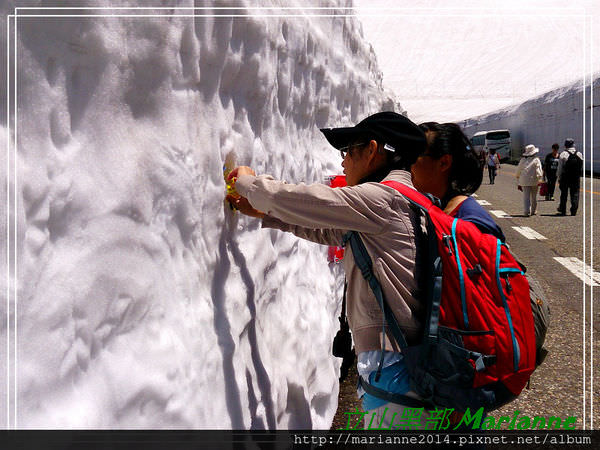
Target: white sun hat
[531,150]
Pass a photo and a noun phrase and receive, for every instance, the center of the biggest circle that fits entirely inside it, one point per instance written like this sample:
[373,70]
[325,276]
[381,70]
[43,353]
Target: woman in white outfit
[529,175]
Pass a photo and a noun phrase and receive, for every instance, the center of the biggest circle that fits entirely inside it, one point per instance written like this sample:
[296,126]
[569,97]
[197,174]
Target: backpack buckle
[477,270]
[508,286]
[446,238]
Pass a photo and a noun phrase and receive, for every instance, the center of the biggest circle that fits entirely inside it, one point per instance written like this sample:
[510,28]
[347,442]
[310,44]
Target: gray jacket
[386,222]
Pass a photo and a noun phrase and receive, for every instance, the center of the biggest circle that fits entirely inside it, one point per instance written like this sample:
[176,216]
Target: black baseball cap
[569,142]
[396,132]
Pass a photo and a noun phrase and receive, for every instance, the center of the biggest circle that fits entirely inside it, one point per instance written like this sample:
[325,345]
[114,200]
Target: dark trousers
[492,173]
[567,188]
[551,177]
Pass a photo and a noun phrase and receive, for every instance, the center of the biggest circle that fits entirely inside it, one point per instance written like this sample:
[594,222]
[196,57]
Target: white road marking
[474,195]
[483,202]
[501,214]
[529,233]
[575,266]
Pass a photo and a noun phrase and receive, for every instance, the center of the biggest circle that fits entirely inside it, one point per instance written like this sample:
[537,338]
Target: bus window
[498,135]
[478,140]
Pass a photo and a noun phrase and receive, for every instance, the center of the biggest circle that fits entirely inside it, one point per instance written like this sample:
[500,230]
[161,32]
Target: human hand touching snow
[237,201]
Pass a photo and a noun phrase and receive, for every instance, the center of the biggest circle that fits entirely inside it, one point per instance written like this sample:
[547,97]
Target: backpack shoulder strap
[414,196]
[433,290]
[365,264]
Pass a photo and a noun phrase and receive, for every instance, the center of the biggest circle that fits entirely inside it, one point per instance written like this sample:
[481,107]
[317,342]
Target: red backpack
[478,348]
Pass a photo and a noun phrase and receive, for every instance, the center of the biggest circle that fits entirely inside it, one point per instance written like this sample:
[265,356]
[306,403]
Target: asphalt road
[566,236]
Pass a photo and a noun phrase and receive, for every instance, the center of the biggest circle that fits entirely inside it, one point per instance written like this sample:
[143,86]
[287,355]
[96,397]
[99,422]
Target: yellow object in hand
[230,185]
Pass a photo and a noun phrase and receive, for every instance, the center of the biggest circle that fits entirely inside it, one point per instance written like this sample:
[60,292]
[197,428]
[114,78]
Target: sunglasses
[348,148]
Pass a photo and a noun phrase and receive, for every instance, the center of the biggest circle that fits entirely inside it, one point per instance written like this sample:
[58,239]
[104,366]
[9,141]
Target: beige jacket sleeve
[325,236]
[318,212]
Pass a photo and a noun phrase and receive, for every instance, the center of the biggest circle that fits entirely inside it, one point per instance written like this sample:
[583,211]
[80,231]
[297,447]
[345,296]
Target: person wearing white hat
[529,175]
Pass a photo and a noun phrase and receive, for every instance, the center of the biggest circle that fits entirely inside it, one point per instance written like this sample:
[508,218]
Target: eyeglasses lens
[348,149]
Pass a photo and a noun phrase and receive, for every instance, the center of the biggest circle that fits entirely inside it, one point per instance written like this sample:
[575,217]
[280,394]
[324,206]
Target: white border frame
[15,15]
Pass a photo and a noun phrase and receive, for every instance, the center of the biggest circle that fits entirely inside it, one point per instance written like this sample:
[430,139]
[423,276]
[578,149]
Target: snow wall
[143,301]
[549,118]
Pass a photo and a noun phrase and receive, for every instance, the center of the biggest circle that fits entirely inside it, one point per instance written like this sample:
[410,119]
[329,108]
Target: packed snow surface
[143,300]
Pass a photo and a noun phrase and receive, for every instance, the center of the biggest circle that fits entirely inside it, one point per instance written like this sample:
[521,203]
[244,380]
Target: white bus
[499,140]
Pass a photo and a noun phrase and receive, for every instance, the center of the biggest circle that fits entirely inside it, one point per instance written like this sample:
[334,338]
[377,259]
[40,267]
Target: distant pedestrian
[550,169]
[493,164]
[529,175]
[570,170]
[482,155]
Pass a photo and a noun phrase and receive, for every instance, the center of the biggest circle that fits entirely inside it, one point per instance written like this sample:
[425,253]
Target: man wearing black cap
[381,147]
[570,170]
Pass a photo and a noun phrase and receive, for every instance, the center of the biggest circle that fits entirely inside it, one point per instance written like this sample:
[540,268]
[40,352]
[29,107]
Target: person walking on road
[550,170]
[482,156]
[381,147]
[529,174]
[493,164]
[570,170]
